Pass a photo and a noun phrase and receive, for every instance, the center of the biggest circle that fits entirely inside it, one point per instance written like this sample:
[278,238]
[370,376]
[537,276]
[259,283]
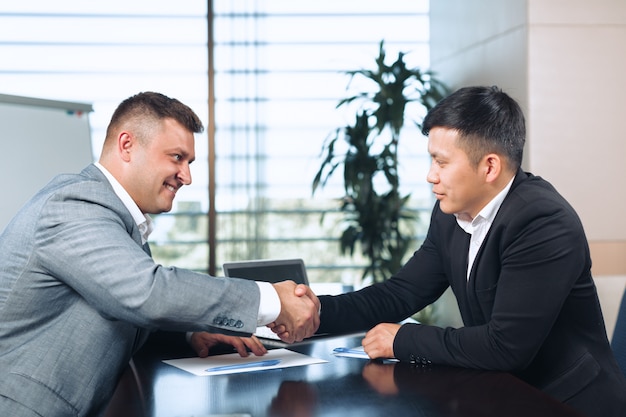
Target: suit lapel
[94,172]
[459,249]
[146,249]
[473,307]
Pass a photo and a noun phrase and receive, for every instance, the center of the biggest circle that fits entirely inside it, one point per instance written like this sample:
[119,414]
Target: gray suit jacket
[78,296]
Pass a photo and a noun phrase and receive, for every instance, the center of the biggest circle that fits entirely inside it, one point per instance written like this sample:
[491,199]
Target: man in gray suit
[79,291]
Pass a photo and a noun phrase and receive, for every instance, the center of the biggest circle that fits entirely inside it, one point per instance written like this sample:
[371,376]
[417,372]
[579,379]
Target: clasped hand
[299,312]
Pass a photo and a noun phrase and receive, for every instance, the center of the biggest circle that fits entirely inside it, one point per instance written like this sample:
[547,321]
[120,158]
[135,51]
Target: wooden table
[341,387]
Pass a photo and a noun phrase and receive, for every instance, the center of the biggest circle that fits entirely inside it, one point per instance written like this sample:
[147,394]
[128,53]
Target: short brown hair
[148,107]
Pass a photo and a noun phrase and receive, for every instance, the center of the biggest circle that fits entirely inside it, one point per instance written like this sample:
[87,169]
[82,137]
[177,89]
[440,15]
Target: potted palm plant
[376,215]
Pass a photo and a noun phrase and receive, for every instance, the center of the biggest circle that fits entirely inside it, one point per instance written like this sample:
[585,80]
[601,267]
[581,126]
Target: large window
[278,75]
[102,53]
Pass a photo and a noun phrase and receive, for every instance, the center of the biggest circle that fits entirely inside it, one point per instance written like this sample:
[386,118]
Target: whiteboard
[40,139]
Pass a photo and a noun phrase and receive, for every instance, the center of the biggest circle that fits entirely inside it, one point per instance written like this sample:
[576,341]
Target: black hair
[487,119]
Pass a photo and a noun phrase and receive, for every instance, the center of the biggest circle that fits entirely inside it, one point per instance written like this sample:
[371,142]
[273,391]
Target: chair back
[618,342]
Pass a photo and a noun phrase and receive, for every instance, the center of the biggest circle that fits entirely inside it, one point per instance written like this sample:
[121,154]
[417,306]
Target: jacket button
[239,324]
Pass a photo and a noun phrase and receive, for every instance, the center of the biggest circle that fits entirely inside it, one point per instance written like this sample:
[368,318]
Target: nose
[432,176]
[184,175]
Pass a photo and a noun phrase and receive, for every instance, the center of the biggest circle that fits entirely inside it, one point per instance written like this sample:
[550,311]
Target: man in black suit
[515,254]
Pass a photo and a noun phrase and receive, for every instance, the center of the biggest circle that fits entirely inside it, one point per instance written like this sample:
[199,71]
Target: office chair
[618,342]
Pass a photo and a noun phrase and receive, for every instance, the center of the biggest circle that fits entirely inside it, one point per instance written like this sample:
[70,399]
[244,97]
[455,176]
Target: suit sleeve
[83,241]
[419,283]
[526,269]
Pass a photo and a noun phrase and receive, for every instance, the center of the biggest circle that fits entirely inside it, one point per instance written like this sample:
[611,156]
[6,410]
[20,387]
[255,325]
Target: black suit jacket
[530,306]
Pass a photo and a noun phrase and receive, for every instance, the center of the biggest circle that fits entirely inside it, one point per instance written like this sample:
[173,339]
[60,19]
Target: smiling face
[460,187]
[157,167]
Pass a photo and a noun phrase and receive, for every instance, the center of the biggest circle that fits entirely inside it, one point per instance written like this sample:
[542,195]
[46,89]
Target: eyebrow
[435,154]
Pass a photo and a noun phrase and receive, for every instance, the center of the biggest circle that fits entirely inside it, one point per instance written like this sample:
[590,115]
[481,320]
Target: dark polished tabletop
[340,387]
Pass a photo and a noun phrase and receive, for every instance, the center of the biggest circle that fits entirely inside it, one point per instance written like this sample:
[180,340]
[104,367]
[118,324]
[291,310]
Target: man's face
[459,187]
[160,167]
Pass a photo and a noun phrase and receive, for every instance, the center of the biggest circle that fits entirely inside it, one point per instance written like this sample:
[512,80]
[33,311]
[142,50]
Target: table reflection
[294,399]
[463,392]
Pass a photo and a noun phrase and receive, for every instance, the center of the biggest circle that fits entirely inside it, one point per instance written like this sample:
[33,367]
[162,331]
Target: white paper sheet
[199,366]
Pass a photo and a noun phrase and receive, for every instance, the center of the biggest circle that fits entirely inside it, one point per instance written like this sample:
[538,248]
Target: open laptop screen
[268,270]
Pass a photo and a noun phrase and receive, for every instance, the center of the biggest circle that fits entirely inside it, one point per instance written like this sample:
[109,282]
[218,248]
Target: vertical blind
[279,74]
[279,70]
[102,53]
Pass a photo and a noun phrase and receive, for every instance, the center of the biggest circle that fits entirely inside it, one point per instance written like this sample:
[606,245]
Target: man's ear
[492,165]
[125,142]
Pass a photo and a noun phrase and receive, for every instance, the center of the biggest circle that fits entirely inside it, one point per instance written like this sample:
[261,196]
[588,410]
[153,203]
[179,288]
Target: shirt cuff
[269,305]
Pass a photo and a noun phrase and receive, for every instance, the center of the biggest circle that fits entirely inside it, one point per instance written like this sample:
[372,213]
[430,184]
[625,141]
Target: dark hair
[487,119]
[145,108]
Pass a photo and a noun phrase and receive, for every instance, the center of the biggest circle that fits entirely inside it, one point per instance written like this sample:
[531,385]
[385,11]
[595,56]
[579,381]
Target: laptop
[269,270]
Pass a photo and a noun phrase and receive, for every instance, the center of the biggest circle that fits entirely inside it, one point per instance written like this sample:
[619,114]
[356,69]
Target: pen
[269,362]
[348,350]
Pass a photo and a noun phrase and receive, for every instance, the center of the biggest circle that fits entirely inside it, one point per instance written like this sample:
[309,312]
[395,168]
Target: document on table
[232,363]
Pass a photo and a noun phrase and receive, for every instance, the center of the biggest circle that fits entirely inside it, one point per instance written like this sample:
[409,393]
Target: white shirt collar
[143,221]
[488,213]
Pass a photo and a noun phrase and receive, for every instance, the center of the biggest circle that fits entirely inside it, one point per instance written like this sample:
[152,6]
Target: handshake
[299,316]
